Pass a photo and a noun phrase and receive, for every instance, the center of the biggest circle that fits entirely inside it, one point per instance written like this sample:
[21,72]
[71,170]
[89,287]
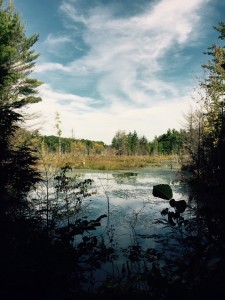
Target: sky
[109,65]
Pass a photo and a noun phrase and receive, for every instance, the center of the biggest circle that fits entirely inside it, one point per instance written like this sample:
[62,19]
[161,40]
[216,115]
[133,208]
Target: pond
[126,198]
[134,245]
[133,213]
[132,227]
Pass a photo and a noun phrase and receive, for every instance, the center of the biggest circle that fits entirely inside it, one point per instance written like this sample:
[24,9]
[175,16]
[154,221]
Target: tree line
[173,142]
[169,143]
[71,145]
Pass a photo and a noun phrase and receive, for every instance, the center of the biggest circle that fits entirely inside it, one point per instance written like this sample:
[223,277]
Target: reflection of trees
[125,177]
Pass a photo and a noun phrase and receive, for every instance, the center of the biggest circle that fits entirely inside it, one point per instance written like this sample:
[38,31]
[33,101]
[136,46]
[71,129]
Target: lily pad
[162,191]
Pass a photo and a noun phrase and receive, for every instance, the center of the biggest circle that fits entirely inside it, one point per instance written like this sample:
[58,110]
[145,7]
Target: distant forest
[170,143]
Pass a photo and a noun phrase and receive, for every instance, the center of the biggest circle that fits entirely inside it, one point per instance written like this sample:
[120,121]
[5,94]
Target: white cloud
[58,44]
[64,103]
[71,12]
[175,17]
[102,124]
[60,99]
[51,67]
[128,51]
[125,58]
[54,41]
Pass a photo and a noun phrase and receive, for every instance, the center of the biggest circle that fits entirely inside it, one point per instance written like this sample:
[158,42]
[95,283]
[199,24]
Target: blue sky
[110,65]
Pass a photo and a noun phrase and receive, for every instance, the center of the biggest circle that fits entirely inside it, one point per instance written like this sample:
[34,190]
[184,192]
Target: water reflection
[135,237]
[125,177]
[133,213]
[126,198]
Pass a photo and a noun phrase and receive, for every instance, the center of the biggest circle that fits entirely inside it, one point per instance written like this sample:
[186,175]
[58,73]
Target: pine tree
[17,89]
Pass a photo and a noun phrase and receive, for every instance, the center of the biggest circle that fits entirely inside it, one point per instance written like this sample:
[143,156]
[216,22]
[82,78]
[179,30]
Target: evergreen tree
[17,89]
[133,143]
[171,142]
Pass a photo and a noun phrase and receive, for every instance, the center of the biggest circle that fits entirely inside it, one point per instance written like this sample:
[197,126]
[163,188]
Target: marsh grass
[109,162]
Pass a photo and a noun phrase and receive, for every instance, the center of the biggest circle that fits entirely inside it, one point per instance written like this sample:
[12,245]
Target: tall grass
[108,162]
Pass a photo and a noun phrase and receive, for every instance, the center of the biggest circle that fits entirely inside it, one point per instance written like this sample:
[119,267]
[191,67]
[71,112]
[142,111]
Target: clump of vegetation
[206,124]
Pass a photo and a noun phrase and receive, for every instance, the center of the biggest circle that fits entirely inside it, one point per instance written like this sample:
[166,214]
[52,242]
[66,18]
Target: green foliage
[16,61]
[169,143]
[130,144]
[69,145]
[16,91]
[119,142]
[133,143]
[144,146]
[207,123]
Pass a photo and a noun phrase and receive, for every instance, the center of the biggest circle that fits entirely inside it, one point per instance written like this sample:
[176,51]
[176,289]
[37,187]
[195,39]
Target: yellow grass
[100,162]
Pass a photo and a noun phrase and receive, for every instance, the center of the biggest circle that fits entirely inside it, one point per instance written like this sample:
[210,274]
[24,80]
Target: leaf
[180,205]
[164,212]
[162,191]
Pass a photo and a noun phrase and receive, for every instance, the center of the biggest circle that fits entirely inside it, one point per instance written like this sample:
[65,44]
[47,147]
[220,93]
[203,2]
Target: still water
[133,213]
[126,198]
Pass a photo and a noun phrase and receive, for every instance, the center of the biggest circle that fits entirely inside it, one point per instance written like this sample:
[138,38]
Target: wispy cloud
[128,52]
[124,59]
[54,41]
[51,67]
[71,101]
